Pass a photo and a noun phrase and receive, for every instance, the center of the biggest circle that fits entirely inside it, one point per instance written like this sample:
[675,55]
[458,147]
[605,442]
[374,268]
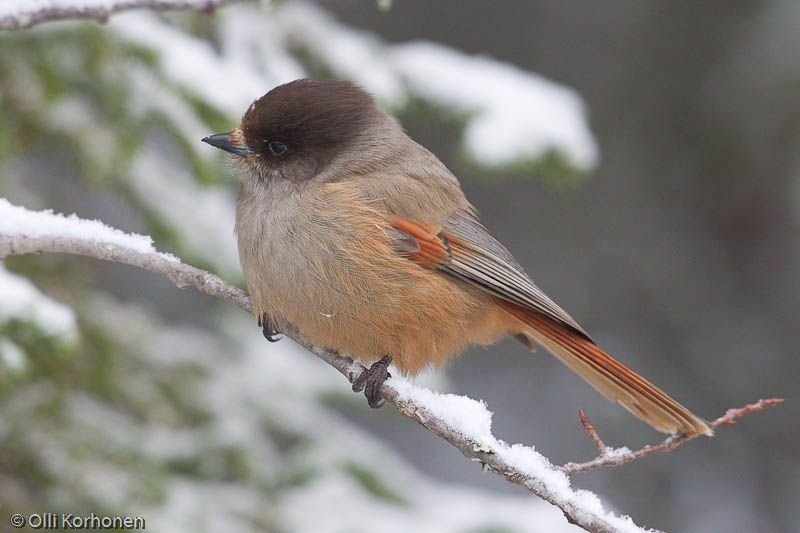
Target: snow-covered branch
[14,16]
[463,422]
[619,456]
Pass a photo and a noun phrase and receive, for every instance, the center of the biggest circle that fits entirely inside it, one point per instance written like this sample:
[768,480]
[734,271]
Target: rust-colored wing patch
[464,249]
[432,248]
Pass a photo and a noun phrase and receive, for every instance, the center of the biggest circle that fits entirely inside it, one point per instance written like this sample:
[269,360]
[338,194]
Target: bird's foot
[268,329]
[371,380]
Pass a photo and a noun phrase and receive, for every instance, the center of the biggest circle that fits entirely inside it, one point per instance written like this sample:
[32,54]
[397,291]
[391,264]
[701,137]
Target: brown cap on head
[297,130]
[309,116]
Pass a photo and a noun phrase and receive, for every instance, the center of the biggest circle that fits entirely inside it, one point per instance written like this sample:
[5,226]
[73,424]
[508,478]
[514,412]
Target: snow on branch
[17,15]
[461,421]
[618,456]
[25,232]
[510,116]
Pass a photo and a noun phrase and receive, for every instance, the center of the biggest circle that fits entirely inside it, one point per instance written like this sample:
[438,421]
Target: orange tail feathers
[614,380]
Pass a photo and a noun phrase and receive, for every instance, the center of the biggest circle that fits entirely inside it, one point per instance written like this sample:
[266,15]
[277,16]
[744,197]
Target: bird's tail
[614,380]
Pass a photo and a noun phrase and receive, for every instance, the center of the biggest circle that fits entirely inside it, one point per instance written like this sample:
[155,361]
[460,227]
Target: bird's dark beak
[223,141]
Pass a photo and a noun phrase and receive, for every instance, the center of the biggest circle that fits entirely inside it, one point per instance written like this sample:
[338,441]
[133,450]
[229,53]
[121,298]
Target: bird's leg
[371,380]
[268,328]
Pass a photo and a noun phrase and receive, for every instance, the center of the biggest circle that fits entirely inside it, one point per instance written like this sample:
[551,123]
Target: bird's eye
[277,148]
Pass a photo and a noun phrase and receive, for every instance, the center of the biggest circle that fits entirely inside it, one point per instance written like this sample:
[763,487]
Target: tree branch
[14,18]
[26,232]
[616,457]
[492,453]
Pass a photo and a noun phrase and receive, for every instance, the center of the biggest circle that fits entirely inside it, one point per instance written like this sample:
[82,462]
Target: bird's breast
[324,263]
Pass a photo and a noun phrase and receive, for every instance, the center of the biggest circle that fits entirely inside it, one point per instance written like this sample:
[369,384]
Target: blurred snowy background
[679,250]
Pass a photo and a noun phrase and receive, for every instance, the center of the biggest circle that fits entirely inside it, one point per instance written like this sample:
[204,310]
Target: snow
[21,300]
[473,420]
[251,385]
[517,114]
[24,9]
[203,216]
[511,114]
[243,389]
[470,417]
[227,84]
[434,509]
[12,8]
[613,453]
[148,96]
[352,54]
[16,220]
[514,114]
[11,355]
[257,42]
[74,115]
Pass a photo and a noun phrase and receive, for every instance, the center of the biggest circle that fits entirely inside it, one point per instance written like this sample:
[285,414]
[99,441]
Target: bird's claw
[268,329]
[371,380]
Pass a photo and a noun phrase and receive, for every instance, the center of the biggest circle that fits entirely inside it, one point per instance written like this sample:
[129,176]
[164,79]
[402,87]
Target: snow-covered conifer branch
[461,421]
[14,16]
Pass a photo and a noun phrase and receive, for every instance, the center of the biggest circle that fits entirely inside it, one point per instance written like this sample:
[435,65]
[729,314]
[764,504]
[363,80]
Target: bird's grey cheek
[299,170]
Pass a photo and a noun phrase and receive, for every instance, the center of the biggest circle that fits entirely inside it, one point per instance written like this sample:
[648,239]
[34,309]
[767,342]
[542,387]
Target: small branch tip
[667,445]
[601,446]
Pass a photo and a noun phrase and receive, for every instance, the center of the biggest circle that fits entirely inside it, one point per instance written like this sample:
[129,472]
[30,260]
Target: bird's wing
[463,248]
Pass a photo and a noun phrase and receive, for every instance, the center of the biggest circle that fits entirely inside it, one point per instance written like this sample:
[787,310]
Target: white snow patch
[616,452]
[531,463]
[221,81]
[473,420]
[28,7]
[149,95]
[16,220]
[357,55]
[204,216]
[513,114]
[518,114]
[20,299]
[258,41]
[74,116]
[341,504]
[469,417]
[21,7]
[11,355]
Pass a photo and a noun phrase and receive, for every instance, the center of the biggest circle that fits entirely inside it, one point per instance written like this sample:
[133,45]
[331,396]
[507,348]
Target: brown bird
[362,239]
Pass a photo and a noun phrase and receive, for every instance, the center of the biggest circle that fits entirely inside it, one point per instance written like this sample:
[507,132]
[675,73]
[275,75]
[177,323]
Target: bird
[362,240]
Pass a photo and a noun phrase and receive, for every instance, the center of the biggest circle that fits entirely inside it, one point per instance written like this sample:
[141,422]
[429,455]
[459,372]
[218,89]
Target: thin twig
[28,16]
[601,446]
[669,444]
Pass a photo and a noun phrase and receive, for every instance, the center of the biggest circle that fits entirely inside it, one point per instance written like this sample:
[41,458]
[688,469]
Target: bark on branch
[183,275]
[498,459]
[617,457]
[39,12]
